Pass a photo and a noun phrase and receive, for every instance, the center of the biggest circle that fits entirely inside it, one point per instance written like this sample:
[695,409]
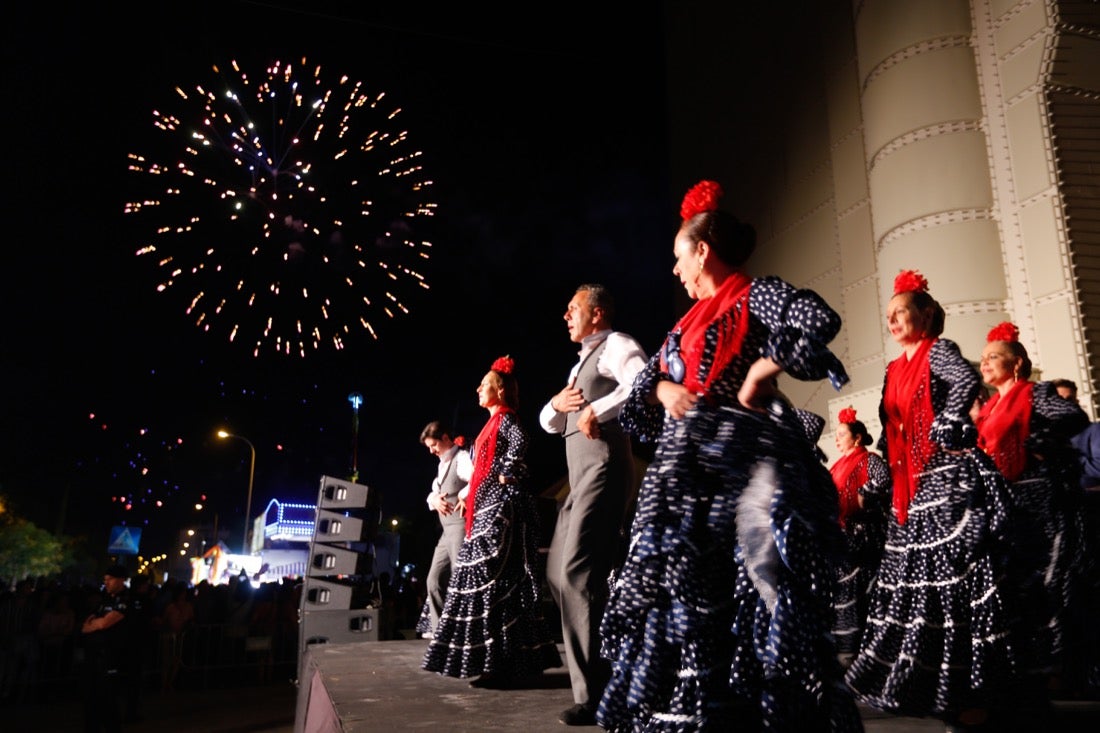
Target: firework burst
[284,212]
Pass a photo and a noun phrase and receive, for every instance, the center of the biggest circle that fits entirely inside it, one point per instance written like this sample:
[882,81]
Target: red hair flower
[504,365]
[847,415]
[910,281]
[460,441]
[1004,331]
[703,196]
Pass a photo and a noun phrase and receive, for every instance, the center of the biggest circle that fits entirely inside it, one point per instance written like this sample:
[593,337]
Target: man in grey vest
[447,498]
[601,475]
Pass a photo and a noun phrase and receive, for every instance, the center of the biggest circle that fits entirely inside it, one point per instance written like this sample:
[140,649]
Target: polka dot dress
[719,618]
[1047,527]
[938,633]
[492,618]
[864,537]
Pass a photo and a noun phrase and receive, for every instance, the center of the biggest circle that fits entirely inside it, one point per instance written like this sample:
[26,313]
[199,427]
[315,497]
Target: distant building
[287,530]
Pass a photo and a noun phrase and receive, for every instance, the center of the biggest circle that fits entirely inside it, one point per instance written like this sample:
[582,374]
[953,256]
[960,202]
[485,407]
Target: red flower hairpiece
[460,441]
[1004,331]
[847,415]
[703,196]
[910,281]
[504,365]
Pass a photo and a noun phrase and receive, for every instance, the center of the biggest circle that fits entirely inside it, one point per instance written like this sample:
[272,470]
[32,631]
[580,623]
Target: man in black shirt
[106,644]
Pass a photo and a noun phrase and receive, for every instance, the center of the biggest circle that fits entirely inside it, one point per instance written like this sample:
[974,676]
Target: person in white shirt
[601,475]
[447,498]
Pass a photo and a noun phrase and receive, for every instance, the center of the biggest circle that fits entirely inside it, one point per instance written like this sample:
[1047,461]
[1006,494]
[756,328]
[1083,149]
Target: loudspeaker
[335,527]
[331,595]
[334,627]
[336,592]
[327,560]
[340,494]
[357,511]
[340,627]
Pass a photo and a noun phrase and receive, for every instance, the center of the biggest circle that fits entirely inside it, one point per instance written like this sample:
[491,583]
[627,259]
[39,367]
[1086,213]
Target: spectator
[56,629]
[179,615]
[141,638]
[19,650]
[105,649]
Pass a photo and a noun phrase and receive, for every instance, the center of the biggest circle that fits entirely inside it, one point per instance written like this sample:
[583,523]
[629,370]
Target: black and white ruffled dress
[940,632]
[864,537]
[1050,559]
[492,620]
[720,617]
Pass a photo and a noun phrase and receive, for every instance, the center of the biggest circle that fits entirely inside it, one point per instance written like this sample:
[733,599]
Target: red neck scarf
[719,308]
[849,474]
[1003,427]
[908,403]
[485,447]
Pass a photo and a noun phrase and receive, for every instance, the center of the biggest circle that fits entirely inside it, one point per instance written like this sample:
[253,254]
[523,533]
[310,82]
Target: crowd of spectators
[183,635]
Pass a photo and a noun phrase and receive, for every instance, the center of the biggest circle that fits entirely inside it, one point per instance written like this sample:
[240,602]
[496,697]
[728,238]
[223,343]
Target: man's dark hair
[117,571]
[436,430]
[599,297]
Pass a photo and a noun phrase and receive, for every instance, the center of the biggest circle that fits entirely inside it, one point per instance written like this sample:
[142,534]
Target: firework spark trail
[137,465]
[290,235]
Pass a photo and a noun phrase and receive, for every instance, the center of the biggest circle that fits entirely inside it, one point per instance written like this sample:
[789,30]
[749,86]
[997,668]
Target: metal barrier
[199,657]
[203,656]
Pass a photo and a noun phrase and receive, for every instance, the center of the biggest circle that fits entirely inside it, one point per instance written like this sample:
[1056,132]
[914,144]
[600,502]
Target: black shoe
[578,715]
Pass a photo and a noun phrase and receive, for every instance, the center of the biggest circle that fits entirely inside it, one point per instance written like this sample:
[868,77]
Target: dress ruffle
[690,650]
[720,616]
[938,635]
[492,620]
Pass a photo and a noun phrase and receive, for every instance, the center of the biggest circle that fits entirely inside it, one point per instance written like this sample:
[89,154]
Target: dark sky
[544,137]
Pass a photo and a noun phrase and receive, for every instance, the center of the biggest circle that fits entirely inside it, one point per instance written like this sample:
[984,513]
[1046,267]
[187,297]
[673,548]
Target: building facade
[957,137]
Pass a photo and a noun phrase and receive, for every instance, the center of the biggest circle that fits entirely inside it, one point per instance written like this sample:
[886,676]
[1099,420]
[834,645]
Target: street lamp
[355,399]
[251,474]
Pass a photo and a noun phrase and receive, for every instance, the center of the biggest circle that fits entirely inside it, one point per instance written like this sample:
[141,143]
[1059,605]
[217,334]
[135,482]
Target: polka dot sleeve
[800,325]
[955,385]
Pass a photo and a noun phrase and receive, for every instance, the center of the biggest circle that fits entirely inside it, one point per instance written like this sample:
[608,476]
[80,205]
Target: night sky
[544,138]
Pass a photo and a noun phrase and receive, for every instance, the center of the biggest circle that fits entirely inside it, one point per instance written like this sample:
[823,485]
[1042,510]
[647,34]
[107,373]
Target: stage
[379,686]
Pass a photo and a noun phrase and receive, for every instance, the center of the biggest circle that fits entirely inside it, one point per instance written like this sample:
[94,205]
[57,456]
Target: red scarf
[485,447]
[908,403]
[849,474]
[719,308]
[1003,427]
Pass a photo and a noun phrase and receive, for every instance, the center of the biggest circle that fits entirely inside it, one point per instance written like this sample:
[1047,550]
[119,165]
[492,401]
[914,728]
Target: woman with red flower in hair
[863,491]
[492,626]
[1026,428]
[719,617]
[937,638]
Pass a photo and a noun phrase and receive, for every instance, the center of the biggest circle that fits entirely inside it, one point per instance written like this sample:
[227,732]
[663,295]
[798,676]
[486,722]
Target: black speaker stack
[337,605]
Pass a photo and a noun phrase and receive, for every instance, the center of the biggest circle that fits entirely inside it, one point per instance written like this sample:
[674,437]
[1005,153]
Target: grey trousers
[583,552]
[439,572]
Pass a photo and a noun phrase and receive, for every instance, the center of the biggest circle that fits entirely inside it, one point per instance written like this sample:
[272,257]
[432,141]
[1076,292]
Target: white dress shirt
[621,360]
[464,467]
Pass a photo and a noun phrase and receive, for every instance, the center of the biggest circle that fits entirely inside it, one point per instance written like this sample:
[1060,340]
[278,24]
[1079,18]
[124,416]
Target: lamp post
[251,474]
[355,399]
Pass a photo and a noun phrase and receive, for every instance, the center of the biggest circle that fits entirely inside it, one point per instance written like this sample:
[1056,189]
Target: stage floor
[379,686]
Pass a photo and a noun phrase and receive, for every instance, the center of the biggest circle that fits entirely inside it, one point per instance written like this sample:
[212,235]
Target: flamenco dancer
[720,616]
